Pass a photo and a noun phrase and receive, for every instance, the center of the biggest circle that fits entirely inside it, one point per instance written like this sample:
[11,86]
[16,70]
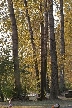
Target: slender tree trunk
[45,41]
[1,94]
[33,45]
[42,62]
[54,66]
[62,49]
[15,48]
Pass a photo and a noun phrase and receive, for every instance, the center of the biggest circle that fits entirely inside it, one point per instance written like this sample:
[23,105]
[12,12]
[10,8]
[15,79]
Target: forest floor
[64,103]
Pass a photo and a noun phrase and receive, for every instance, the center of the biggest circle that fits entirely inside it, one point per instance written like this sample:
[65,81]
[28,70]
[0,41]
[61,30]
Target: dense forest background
[35,47]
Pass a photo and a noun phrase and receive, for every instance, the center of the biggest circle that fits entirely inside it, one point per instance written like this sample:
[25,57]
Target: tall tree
[62,48]
[42,55]
[15,49]
[68,40]
[53,53]
[44,39]
[33,44]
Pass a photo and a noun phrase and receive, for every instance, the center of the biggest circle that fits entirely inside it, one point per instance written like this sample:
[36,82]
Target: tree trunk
[15,49]
[44,39]
[42,62]
[54,66]
[1,94]
[33,45]
[62,49]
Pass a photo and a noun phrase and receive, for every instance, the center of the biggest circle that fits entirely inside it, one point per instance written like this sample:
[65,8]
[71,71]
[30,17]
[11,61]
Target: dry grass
[64,103]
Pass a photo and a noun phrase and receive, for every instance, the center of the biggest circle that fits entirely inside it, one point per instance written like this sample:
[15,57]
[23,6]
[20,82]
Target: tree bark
[54,66]
[44,39]
[42,62]
[62,49]
[15,48]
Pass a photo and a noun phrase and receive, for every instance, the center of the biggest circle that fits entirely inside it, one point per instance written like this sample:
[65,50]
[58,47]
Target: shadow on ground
[64,103]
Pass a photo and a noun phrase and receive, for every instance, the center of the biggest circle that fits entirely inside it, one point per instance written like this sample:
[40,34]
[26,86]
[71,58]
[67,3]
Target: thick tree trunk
[44,39]
[54,66]
[15,48]
[33,45]
[62,49]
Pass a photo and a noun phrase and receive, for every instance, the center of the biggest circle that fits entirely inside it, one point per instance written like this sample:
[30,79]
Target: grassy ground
[64,103]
